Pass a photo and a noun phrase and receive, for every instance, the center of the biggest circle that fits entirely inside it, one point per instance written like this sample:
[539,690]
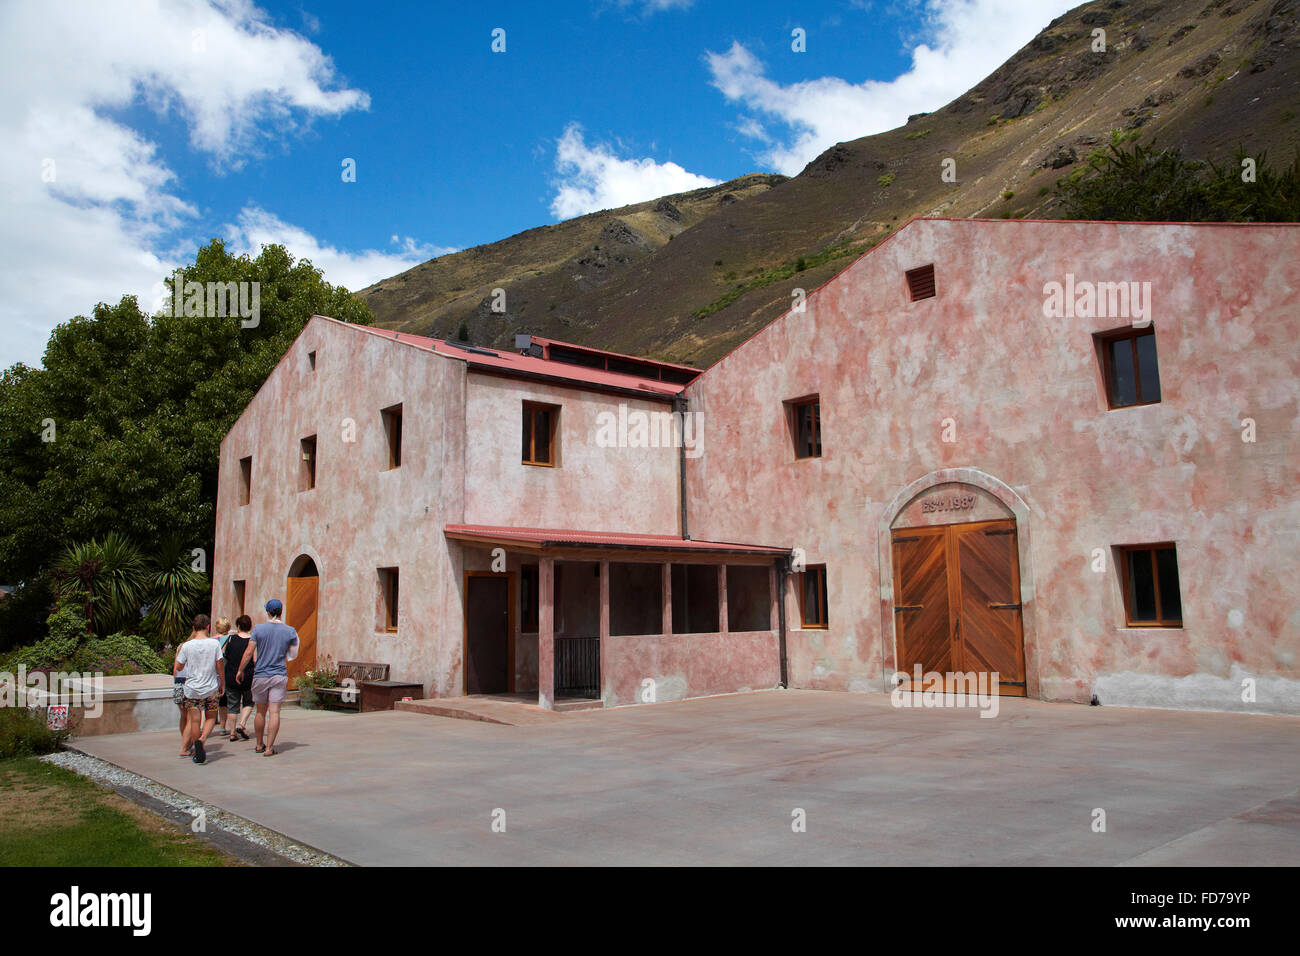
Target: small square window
[392,418]
[1129,367]
[307,473]
[1152,597]
[245,480]
[388,599]
[806,427]
[920,282]
[540,426]
[812,596]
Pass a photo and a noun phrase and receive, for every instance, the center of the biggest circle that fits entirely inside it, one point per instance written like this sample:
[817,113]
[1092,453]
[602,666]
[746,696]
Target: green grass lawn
[50,816]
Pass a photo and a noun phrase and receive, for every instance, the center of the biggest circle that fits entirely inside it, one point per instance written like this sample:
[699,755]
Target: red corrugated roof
[549,537]
[543,340]
[527,365]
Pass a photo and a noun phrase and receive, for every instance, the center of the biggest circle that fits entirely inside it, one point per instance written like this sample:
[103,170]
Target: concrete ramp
[493,710]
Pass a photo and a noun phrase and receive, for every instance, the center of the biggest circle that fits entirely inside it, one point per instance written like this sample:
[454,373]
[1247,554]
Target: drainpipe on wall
[681,404]
[782,569]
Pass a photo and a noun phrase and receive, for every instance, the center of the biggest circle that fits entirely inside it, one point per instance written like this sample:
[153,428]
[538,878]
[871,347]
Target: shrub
[117,655]
[26,733]
[67,631]
[885,180]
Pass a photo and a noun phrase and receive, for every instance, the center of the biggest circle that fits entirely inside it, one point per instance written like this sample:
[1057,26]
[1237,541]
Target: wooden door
[300,614]
[957,602]
[487,635]
[988,602]
[921,615]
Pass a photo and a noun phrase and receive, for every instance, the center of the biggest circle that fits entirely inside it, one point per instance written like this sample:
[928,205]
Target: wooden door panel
[921,601]
[988,580]
[301,595]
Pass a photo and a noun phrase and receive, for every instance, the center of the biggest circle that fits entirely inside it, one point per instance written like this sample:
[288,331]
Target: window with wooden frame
[307,473]
[392,418]
[529,599]
[245,480]
[812,596]
[806,426]
[389,598]
[1152,597]
[540,426]
[1129,367]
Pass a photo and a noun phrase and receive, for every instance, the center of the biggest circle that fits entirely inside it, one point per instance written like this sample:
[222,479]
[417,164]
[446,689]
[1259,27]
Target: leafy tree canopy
[1137,182]
[137,406]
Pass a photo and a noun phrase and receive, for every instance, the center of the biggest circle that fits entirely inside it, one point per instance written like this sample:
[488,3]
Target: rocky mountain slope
[688,277]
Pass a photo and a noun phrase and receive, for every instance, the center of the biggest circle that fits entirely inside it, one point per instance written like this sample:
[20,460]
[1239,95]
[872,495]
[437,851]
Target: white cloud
[593,177]
[256,227]
[89,206]
[968,40]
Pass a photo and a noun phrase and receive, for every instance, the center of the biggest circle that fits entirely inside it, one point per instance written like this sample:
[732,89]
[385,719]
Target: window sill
[539,464]
[1121,408]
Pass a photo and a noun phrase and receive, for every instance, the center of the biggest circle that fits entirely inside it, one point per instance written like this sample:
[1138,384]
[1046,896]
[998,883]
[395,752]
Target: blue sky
[134,131]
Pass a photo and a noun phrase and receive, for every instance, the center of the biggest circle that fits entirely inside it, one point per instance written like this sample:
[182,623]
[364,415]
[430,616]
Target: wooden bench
[359,672]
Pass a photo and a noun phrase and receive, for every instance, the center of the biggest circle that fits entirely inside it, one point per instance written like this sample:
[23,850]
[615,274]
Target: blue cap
[274,606]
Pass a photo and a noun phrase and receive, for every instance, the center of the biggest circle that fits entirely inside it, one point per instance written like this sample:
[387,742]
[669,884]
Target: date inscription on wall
[947,503]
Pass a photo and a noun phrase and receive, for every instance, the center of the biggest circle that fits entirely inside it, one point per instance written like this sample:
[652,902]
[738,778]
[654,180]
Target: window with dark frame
[529,595]
[392,417]
[1129,367]
[389,599]
[807,428]
[812,596]
[245,480]
[1152,597]
[308,472]
[539,428]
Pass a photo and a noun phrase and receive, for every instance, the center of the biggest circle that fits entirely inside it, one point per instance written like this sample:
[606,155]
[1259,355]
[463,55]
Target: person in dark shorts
[239,695]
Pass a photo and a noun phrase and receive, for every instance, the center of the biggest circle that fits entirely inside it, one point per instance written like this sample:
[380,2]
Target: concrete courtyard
[717,781]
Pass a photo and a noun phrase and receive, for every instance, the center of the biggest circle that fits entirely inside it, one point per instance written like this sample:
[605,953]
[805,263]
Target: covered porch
[617,618]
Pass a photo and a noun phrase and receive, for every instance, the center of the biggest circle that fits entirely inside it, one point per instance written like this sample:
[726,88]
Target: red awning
[539,538]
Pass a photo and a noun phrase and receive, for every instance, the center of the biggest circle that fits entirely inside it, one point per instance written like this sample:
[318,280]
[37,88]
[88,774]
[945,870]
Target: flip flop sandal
[270,752]
[259,749]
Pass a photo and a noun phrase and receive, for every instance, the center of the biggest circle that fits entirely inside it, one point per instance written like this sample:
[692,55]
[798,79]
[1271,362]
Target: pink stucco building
[1063,453]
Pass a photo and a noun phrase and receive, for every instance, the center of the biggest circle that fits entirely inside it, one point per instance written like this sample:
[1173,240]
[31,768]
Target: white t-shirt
[199,658]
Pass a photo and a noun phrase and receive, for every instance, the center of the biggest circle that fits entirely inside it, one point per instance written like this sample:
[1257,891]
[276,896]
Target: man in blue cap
[269,646]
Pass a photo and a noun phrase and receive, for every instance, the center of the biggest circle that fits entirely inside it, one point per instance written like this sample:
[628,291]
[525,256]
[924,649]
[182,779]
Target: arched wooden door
[301,596]
[957,602]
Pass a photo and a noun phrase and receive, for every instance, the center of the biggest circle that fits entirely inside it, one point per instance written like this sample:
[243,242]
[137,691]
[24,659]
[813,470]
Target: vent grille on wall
[920,282]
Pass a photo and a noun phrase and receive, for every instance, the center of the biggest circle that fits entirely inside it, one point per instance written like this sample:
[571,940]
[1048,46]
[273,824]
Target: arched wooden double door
[957,602]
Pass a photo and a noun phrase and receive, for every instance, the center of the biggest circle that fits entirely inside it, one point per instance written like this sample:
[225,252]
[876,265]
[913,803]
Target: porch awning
[540,539]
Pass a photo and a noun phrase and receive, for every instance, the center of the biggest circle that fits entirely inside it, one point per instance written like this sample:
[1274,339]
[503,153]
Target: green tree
[175,591]
[1137,182]
[107,578]
[120,430]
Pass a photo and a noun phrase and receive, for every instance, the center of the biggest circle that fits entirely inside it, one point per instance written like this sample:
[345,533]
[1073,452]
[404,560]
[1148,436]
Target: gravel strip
[115,778]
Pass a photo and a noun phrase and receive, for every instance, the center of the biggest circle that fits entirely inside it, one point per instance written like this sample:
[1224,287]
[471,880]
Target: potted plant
[325,674]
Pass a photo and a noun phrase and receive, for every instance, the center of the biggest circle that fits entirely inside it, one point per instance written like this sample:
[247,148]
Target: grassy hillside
[1206,75]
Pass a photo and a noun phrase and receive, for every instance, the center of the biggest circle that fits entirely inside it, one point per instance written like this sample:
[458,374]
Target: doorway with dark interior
[489,661]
